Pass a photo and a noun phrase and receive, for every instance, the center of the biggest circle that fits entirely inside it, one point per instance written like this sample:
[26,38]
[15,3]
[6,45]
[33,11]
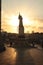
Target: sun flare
[26,21]
[14,21]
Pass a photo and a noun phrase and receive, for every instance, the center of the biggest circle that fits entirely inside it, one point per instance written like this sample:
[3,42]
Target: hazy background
[31,10]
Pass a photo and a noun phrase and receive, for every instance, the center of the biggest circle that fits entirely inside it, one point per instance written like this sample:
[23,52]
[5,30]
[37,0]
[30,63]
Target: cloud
[40,28]
[29,26]
[39,20]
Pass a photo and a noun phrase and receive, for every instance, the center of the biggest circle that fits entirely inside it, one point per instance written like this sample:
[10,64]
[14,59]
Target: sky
[31,11]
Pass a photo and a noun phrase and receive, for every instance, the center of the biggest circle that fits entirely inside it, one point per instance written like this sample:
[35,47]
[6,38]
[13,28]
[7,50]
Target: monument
[21,27]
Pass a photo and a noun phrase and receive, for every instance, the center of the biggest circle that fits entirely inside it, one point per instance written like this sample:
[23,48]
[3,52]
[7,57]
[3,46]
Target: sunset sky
[31,11]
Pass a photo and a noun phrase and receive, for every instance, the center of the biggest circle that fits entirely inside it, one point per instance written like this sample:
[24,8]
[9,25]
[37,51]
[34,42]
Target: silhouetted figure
[10,44]
[2,43]
[42,45]
[33,44]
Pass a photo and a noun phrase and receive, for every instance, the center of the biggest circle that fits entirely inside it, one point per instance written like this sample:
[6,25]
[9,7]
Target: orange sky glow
[32,19]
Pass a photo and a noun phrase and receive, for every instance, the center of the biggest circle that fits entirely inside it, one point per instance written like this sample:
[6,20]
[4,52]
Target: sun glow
[13,21]
[26,21]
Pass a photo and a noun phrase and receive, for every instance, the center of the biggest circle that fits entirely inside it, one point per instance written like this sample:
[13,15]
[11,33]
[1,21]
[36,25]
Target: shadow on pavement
[24,57]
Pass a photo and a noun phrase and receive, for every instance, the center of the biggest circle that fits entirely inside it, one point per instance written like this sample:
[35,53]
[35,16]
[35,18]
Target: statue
[21,27]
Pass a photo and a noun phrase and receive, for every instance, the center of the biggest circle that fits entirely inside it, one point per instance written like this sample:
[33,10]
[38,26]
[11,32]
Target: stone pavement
[31,56]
